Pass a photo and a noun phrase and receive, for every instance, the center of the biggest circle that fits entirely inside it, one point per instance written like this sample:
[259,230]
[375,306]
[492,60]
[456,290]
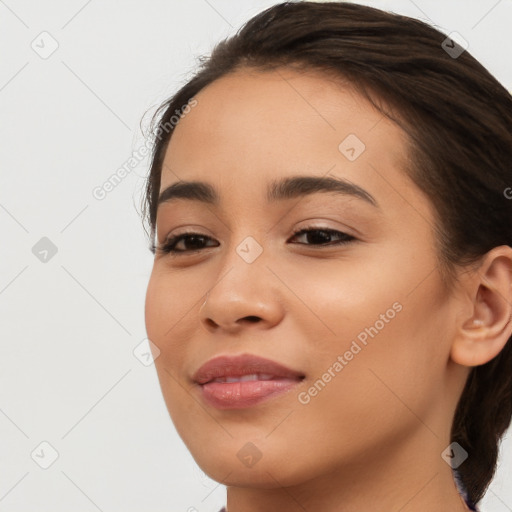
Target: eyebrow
[285,188]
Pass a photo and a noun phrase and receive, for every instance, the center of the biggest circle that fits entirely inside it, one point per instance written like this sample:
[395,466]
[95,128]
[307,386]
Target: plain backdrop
[77,395]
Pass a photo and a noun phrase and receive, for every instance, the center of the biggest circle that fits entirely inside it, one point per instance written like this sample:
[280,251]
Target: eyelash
[168,247]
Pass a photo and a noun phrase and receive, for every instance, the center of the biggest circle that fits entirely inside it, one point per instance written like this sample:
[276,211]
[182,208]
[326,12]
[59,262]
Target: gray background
[70,321]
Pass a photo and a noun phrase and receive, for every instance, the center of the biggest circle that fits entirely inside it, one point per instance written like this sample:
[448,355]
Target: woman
[331,293]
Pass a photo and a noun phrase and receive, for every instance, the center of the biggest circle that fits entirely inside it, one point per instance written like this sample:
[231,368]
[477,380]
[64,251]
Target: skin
[372,438]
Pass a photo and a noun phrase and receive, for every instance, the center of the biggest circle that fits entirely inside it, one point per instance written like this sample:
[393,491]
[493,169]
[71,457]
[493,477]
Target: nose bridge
[242,288]
[243,267]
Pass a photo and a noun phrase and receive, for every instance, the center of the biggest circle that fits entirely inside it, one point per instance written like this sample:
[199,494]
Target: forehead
[250,127]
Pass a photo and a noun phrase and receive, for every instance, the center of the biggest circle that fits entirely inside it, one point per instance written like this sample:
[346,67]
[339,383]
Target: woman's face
[356,308]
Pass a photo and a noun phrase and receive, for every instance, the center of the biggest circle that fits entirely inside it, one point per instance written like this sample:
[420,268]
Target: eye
[322,236]
[194,242]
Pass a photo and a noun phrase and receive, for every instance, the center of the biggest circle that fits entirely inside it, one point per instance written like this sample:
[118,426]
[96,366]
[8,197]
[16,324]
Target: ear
[486,324]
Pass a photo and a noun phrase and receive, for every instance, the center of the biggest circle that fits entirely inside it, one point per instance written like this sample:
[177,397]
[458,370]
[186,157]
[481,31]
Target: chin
[261,476]
[242,463]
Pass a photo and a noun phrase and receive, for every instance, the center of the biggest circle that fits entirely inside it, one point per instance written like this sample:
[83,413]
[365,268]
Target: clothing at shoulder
[463,492]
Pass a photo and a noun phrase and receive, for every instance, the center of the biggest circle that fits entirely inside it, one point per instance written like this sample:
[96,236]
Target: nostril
[252,318]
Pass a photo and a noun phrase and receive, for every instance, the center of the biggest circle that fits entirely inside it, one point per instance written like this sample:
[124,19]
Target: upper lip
[244,364]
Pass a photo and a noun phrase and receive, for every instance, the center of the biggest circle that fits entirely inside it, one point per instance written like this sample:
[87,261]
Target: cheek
[378,396]
[154,305]
[339,303]
[388,332]
[173,325]
[165,312]
[166,306]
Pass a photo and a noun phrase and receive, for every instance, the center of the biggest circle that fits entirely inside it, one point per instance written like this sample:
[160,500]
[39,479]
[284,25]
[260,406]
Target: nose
[244,295]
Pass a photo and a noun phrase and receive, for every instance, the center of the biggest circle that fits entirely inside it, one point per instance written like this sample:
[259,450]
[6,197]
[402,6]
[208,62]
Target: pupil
[316,238]
[195,241]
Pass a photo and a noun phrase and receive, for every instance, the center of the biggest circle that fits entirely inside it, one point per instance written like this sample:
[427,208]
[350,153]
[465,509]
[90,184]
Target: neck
[382,481]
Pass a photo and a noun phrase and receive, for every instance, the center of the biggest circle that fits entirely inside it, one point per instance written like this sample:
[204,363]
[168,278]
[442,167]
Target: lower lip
[238,395]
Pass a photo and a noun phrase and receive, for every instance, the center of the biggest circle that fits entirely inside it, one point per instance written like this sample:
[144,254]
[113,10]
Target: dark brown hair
[458,123]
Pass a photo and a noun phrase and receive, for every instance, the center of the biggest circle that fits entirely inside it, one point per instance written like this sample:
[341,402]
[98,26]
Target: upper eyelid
[191,232]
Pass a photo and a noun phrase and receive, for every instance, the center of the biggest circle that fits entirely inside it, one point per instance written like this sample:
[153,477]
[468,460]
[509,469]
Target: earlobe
[481,336]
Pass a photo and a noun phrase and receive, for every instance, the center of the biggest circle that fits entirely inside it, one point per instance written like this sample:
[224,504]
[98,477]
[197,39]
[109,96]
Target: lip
[241,394]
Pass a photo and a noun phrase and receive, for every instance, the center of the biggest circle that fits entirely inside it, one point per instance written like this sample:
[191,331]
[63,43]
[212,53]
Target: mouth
[236,382]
